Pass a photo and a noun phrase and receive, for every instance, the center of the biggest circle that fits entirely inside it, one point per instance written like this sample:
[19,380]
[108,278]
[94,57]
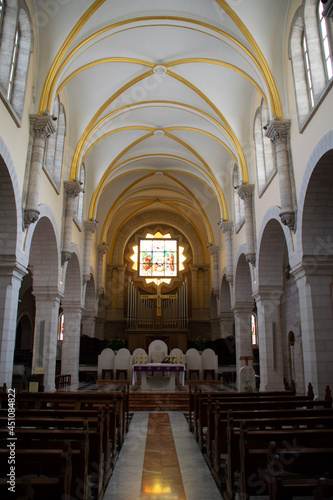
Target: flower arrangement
[116,342]
[200,343]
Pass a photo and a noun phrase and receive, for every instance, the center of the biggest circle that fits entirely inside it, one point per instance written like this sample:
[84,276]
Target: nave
[161,459]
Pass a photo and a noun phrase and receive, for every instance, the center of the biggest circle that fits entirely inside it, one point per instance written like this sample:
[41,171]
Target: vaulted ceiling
[159,100]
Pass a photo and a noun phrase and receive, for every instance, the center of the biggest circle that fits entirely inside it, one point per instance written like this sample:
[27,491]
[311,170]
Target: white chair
[177,356]
[209,363]
[122,363]
[158,350]
[105,363]
[193,364]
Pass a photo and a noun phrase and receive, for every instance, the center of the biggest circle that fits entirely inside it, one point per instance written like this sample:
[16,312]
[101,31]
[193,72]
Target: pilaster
[42,127]
[278,133]
[72,189]
[90,227]
[268,300]
[245,192]
[228,231]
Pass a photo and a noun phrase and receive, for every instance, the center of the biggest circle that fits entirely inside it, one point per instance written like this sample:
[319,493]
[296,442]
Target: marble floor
[160,459]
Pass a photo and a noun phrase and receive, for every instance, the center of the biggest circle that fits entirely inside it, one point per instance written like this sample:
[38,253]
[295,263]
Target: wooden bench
[44,440]
[300,446]
[300,472]
[222,453]
[49,472]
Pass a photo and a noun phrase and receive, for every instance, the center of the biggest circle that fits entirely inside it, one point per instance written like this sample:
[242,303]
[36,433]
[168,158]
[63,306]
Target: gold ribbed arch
[112,166]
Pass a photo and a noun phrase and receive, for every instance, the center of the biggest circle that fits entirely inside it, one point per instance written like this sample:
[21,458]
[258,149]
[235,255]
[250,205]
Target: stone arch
[277,302]
[171,219]
[313,225]
[11,219]
[44,258]
[72,309]
[314,267]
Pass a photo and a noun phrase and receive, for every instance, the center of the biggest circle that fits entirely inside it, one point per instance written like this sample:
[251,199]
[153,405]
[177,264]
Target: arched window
[61,326]
[310,52]
[15,48]
[78,208]
[254,333]
[264,148]
[238,202]
[2,10]
[325,41]
[55,145]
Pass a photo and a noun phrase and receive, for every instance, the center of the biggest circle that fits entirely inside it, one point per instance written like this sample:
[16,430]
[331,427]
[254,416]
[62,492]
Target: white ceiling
[204,103]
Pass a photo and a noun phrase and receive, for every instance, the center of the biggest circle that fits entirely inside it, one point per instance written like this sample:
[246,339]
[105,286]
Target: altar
[158,382]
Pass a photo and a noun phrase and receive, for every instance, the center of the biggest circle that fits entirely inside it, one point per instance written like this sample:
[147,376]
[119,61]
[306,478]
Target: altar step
[158,401]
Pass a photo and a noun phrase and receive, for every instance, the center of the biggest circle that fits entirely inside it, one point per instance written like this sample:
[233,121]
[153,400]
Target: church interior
[166,197]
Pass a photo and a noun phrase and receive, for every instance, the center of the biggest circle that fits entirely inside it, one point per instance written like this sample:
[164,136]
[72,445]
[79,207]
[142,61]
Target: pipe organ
[160,311]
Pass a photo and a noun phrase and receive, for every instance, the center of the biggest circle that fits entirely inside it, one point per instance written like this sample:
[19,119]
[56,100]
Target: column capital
[30,216]
[288,219]
[245,191]
[226,226]
[242,308]
[90,226]
[102,249]
[47,293]
[43,126]
[278,131]
[268,292]
[73,189]
[312,267]
[213,250]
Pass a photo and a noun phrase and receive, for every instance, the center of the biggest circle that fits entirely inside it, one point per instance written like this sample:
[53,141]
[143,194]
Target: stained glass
[158,257]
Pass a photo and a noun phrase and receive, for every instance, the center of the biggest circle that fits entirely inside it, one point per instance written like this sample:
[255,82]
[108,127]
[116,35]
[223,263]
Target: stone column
[101,251]
[228,231]
[245,192]
[243,342]
[121,285]
[72,189]
[278,132]
[226,324]
[46,333]
[269,338]
[315,297]
[90,227]
[71,342]
[42,127]
[214,251]
[88,323]
[11,275]
[194,277]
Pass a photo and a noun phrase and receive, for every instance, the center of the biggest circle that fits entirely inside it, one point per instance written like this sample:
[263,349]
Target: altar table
[165,384]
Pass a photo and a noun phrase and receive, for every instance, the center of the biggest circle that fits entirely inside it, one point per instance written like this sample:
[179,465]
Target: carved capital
[229,278]
[245,191]
[288,219]
[65,257]
[213,250]
[102,249]
[43,126]
[216,292]
[30,216]
[73,189]
[251,258]
[90,226]
[277,132]
[226,226]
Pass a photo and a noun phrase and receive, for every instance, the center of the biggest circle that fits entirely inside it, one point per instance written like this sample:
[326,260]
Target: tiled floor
[160,459]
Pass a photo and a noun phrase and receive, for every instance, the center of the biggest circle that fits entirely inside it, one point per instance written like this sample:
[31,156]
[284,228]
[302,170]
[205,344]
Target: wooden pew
[202,401]
[224,457]
[205,411]
[54,439]
[300,447]
[49,471]
[299,472]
